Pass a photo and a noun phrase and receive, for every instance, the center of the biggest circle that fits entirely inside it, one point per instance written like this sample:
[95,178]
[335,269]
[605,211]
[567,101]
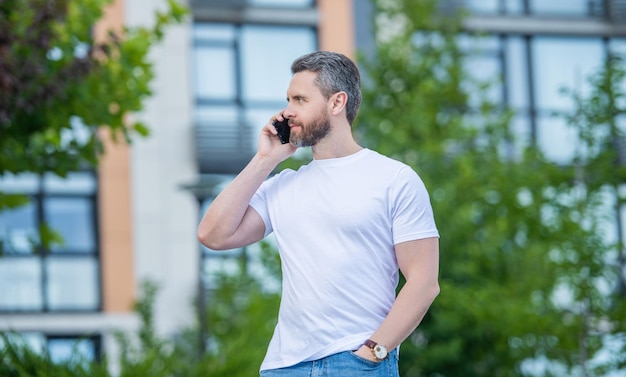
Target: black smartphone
[283,130]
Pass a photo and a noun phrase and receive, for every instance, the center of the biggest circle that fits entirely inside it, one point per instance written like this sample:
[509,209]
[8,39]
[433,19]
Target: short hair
[335,73]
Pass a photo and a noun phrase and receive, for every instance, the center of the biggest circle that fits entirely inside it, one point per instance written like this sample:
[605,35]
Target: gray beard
[312,133]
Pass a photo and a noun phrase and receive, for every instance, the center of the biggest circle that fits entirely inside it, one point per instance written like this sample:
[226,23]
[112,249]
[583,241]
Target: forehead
[303,84]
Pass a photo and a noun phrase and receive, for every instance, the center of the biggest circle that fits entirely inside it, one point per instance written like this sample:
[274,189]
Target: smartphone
[283,130]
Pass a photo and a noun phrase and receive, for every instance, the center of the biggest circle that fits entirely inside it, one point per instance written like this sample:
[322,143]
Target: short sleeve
[412,214]
[259,202]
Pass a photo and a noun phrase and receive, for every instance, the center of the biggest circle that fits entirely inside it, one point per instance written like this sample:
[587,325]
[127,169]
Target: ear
[338,102]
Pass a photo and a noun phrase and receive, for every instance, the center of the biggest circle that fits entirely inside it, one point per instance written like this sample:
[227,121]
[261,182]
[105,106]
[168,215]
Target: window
[66,276]
[242,71]
[542,8]
[534,71]
[283,3]
[61,348]
[241,74]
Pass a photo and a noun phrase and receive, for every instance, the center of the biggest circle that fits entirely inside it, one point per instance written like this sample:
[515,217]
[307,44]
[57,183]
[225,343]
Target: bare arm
[419,263]
[230,222]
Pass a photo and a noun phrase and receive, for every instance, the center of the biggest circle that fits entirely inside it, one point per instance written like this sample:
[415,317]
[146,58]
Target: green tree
[590,266]
[514,229]
[243,314]
[59,86]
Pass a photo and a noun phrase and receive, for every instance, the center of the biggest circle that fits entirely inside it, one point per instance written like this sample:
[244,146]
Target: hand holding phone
[282,127]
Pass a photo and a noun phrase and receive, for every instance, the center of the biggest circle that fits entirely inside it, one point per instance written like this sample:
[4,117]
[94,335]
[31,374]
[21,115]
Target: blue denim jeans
[343,364]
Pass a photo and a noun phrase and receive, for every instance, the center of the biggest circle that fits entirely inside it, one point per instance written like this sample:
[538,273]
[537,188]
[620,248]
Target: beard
[310,134]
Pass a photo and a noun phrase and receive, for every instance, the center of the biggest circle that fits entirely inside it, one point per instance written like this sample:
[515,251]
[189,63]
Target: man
[345,224]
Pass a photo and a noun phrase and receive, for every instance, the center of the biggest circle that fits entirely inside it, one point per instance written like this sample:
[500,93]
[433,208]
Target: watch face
[380,352]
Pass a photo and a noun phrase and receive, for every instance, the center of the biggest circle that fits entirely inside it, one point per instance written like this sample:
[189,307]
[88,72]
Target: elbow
[435,290]
[209,240]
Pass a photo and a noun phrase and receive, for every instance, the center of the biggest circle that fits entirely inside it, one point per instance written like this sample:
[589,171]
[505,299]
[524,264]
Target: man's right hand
[269,145]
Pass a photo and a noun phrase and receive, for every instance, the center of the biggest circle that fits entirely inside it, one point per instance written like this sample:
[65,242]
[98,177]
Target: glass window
[484,64]
[18,229]
[241,73]
[63,349]
[74,183]
[556,139]
[517,73]
[482,6]
[514,6]
[20,284]
[560,7]
[618,46]
[59,348]
[486,70]
[266,63]
[259,117]
[215,72]
[217,115]
[563,62]
[255,63]
[23,183]
[226,55]
[72,283]
[215,32]
[214,61]
[283,3]
[72,218]
[520,128]
[35,279]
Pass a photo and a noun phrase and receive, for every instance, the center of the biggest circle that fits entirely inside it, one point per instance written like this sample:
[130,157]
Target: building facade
[219,78]
[220,74]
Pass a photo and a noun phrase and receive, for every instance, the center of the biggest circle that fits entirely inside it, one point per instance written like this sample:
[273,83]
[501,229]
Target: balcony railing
[223,148]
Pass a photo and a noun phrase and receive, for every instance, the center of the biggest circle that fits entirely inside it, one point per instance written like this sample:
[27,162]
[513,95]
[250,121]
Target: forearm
[227,211]
[407,312]
[419,263]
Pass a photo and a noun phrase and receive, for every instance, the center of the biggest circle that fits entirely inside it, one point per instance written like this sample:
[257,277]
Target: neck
[338,143]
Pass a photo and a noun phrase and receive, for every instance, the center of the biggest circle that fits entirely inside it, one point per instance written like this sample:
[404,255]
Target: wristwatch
[378,350]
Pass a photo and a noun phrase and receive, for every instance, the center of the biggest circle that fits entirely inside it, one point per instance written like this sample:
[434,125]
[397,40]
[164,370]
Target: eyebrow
[296,97]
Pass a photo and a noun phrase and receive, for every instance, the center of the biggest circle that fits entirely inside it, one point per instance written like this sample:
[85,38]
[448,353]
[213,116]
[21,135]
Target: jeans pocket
[365,361]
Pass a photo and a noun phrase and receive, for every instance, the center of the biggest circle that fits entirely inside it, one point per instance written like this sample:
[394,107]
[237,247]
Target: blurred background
[511,111]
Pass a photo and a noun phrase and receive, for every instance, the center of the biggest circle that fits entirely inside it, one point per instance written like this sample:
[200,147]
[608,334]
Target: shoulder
[394,169]
[285,175]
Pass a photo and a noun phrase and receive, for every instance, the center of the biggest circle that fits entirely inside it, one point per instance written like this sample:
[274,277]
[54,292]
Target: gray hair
[335,73]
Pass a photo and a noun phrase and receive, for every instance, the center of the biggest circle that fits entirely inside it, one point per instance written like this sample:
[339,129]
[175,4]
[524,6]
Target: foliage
[242,318]
[598,285]
[17,359]
[513,239]
[144,353]
[54,75]
[59,86]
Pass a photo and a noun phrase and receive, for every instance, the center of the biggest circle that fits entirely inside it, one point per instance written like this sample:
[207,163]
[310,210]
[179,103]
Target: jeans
[343,364]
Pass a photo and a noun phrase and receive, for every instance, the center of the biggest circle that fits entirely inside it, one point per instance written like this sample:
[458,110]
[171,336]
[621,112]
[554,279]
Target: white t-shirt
[336,222]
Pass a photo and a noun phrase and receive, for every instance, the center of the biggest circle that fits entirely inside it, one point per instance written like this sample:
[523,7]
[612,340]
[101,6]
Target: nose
[288,112]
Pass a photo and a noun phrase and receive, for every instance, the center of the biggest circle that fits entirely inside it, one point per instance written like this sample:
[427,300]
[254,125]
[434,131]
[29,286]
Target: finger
[279,117]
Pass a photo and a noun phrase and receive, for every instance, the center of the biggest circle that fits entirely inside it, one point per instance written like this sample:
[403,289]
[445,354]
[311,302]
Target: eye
[300,100]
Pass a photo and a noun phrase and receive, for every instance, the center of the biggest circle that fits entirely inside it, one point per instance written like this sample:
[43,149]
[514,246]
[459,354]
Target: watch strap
[374,347]
[370,344]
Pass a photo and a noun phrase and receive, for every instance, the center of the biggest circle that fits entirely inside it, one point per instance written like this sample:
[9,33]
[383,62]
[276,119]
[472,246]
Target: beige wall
[116,252]
[336,28]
